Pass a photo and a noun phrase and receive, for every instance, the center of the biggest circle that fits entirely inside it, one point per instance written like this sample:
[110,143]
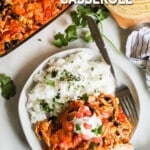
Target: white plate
[24,116]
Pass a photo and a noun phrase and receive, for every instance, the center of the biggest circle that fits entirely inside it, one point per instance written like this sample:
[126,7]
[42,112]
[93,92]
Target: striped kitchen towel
[138,50]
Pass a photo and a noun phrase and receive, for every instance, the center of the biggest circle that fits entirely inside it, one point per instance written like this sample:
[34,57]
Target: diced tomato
[87,126]
[63,145]
[83,136]
[88,113]
[77,139]
[97,139]
[85,110]
[79,114]
[121,116]
[69,126]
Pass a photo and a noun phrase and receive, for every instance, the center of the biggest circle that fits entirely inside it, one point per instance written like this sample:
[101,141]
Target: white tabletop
[20,63]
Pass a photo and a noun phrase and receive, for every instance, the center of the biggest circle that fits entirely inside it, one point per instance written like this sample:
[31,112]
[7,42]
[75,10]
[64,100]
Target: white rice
[52,91]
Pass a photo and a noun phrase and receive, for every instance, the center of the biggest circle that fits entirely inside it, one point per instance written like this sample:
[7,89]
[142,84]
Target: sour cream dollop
[89,126]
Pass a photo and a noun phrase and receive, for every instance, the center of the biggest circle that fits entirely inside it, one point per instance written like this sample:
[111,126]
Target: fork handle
[99,42]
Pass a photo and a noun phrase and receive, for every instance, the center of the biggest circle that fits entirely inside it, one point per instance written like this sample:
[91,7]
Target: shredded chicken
[60,134]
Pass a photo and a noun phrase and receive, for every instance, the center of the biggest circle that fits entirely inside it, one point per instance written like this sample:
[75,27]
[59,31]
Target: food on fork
[131,15]
[21,18]
[96,123]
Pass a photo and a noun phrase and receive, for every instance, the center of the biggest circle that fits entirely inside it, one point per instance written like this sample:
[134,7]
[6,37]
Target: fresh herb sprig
[79,21]
[69,35]
[8,88]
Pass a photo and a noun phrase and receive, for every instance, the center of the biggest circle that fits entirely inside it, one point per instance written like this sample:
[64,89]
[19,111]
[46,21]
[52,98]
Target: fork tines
[128,105]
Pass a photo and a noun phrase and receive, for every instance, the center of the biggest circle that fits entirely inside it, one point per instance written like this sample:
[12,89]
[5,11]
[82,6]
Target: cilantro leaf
[78,127]
[79,20]
[4,79]
[85,96]
[50,82]
[84,9]
[87,37]
[44,106]
[8,88]
[60,40]
[102,14]
[83,21]
[71,33]
[97,130]
[75,18]
[54,73]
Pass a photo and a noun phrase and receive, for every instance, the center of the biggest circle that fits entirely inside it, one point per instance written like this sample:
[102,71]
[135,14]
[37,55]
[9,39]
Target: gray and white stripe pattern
[138,50]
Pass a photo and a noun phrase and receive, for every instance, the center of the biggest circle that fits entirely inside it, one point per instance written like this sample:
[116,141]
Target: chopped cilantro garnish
[78,128]
[57,96]
[85,96]
[44,106]
[8,88]
[97,130]
[50,82]
[54,73]
[100,77]
[92,68]
[68,76]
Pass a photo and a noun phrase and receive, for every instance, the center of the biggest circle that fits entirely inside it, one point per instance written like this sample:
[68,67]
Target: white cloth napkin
[138,50]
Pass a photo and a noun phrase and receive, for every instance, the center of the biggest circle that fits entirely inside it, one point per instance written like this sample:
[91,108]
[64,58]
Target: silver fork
[126,99]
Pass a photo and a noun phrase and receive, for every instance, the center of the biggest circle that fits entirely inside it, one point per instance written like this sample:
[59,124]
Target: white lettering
[113,2]
[104,2]
[80,1]
[88,1]
[120,2]
[96,2]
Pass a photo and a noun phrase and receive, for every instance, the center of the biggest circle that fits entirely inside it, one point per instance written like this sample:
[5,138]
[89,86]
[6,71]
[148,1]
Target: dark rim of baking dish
[37,31]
